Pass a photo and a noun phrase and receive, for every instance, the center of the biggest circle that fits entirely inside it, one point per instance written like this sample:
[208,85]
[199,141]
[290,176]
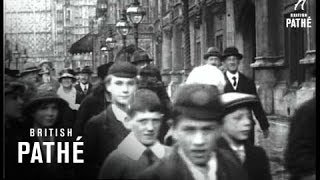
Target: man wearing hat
[141,59]
[47,78]
[212,57]
[95,102]
[238,82]
[30,72]
[84,86]
[104,132]
[66,90]
[196,124]
[236,127]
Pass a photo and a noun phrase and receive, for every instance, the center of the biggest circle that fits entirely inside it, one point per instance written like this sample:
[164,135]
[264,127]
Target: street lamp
[123,27]
[135,12]
[111,43]
[16,55]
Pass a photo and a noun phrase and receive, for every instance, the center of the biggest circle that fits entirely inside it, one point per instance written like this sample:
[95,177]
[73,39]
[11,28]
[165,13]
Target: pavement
[275,145]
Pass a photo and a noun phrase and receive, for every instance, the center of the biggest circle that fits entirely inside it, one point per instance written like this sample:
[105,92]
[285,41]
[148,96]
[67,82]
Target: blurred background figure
[14,125]
[141,59]
[29,75]
[94,103]
[300,155]
[84,86]
[46,75]
[213,57]
[11,74]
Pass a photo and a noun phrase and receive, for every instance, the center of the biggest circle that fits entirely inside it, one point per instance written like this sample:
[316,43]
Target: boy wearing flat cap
[238,82]
[236,125]
[104,132]
[141,148]
[196,123]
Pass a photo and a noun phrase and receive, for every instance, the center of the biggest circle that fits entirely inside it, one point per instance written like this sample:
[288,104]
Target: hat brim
[34,103]
[239,56]
[29,71]
[73,78]
[199,113]
[206,56]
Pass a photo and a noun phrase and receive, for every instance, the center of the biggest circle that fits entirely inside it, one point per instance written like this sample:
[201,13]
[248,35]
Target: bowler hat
[44,95]
[103,70]
[233,100]
[231,51]
[86,70]
[123,69]
[198,101]
[212,51]
[140,56]
[67,73]
[29,67]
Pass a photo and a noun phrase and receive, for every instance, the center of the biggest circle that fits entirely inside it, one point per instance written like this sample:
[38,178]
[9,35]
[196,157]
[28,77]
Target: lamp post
[135,12]
[16,55]
[111,43]
[123,27]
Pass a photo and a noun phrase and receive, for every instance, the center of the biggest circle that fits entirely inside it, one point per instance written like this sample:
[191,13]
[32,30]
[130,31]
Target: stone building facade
[279,59]
[47,28]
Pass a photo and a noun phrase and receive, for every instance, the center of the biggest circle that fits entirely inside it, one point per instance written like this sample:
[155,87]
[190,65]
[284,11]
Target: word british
[62,150]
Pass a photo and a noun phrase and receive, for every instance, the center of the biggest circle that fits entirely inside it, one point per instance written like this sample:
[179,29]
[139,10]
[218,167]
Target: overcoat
[81,94]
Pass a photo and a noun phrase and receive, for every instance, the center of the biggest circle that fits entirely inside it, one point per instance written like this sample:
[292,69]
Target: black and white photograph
[159,89]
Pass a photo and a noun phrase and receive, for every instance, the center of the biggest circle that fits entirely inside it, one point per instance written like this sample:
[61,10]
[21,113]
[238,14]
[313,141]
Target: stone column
[166,54]
[230,23]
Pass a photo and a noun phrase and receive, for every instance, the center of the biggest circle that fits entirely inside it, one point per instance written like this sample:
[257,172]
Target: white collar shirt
[200,173]
[230,77]
[84,86]
[119,113]
[133,148]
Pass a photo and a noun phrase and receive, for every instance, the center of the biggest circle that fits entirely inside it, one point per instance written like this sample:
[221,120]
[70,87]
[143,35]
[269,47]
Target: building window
[294,51]
[198,54]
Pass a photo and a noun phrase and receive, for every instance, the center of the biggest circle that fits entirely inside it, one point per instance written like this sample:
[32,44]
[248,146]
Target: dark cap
[144,100]
[198,101]
[123,69]
[233,100]
[231,51]
[103,70]
[140,56]
[14,86]
[86,70]
[12,72]
[212,51]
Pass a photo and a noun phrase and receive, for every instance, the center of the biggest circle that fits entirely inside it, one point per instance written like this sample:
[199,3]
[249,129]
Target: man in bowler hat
[196,127]
[84,86]
[238,82]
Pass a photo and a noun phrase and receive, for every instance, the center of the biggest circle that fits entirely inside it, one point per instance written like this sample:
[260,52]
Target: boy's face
[196,138]
[121,89]
[145,126]
[237,124]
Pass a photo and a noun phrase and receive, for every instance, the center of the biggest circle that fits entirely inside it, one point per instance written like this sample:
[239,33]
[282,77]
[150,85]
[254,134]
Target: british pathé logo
[298,20]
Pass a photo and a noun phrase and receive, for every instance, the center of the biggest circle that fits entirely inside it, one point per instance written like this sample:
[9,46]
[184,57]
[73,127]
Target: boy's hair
[144,100]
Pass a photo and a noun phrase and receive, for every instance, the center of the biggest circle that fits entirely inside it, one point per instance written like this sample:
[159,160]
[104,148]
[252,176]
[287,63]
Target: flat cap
[29,67]
[140,56]
[144,99]
[207,74]
[198,101]
[123,69]
[233,100]
[67,73]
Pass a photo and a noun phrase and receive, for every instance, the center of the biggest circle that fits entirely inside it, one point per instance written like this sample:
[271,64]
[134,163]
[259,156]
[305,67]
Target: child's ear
[127,122]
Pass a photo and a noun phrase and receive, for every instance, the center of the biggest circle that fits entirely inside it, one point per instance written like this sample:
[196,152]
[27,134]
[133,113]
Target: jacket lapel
[228,87]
